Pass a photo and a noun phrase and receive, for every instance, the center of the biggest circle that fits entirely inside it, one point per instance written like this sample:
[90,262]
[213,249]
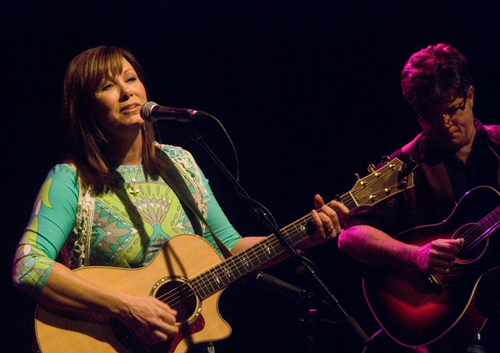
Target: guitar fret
[207,283]
[201,290]
[227,275]
[297,231]
[212,282]
[216,278]
[292,238]
[245,261]
[236,267]
[268,251]
[255,261]
[302,230]
[222,276]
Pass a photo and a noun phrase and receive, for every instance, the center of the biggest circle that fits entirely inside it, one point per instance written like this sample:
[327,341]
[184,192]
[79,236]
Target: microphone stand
[306,269]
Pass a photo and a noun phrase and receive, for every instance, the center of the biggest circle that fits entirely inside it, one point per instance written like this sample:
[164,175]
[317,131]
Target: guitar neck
[237,266]
[348,200]
[373,188]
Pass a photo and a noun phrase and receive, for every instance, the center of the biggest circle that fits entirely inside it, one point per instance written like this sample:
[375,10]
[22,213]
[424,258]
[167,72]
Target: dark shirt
[481,169]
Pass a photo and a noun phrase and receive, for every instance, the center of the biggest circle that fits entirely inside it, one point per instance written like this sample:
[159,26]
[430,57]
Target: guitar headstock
[382,183]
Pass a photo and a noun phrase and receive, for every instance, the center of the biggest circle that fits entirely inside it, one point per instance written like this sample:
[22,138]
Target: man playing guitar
[454,153]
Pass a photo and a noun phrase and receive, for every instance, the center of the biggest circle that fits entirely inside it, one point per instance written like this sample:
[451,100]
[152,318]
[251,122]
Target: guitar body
[181,258]
[444,313]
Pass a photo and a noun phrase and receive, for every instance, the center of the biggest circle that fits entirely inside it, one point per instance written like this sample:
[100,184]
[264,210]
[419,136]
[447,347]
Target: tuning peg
[371,168]
[358,179]
[408,168]
[385,159]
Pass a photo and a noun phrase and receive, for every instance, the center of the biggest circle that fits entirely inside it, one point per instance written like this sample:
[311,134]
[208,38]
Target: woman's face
[119,100]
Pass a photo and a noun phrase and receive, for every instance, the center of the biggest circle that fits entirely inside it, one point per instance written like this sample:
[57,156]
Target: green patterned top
[125,233]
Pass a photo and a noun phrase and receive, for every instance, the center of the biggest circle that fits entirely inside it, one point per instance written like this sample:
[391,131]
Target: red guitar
[189,275]
[443,313]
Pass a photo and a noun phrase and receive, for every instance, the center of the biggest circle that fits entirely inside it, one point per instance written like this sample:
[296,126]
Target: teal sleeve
[218,221]
[51,222]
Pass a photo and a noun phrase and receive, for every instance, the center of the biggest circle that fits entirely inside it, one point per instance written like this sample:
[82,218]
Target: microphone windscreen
[146,111]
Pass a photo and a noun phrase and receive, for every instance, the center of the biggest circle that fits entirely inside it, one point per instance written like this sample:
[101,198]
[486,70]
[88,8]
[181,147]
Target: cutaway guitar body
[166,277]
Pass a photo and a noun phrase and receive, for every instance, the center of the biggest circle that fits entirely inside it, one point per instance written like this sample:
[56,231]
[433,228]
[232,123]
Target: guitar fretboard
[220,276]
[368,191]
[235,267]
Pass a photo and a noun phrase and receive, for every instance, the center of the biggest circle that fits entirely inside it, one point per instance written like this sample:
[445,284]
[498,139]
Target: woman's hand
[151,320]
[328,219]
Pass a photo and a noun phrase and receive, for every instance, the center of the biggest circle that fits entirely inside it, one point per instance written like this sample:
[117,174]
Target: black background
[308,91]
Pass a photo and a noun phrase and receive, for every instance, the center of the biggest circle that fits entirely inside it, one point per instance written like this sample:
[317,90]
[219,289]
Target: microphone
[151,112]
[294,293]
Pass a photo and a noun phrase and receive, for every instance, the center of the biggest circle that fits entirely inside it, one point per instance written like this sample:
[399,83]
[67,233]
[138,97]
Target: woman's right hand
[151,320]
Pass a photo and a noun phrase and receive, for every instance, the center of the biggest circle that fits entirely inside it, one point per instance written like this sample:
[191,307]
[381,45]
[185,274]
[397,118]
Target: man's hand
[437,256]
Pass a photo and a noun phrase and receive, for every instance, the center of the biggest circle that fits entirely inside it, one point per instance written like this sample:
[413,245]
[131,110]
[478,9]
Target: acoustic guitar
[189,275]
[443,313]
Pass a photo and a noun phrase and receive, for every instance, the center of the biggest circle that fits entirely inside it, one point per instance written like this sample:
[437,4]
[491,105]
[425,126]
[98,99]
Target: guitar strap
[173,177]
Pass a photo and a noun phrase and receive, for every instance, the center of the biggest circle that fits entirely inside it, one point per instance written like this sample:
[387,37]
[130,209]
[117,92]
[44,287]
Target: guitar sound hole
[473,247]
[179,296]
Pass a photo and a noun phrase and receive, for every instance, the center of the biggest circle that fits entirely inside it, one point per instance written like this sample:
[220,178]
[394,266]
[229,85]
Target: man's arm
[374,247]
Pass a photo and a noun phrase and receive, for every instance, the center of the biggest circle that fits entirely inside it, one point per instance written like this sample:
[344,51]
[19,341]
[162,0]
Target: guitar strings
[491,228]
[485,222]
[473,236]
[175,296]
[221,270]
[250,255]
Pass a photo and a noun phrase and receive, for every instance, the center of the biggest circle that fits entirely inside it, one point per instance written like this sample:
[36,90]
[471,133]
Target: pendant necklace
[131,184]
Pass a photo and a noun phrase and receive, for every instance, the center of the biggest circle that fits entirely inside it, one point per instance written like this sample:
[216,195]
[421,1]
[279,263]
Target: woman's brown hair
[86,140]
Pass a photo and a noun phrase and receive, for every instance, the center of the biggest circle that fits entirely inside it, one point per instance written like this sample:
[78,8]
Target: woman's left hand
[328,219]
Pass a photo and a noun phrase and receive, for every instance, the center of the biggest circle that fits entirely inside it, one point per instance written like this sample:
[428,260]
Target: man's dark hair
[434,77]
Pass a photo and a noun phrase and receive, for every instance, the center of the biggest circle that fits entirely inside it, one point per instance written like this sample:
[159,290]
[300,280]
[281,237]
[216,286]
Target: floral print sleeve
[51,221]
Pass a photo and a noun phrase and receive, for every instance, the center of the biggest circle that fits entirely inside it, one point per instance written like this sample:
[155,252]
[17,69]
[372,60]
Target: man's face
[452,128]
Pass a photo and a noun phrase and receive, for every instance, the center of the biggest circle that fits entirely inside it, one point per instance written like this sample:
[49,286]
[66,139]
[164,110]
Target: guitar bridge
[434,284]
